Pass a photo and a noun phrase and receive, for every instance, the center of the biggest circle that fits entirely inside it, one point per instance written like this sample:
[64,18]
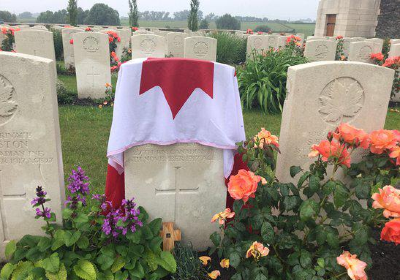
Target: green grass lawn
[85,131]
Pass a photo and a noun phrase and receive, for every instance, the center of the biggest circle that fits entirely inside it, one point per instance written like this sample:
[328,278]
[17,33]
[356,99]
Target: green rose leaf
[267,232]
[85,270]
[294,170]
[313,184]
[340,195]
[290,202]
[308,209]
[234,259]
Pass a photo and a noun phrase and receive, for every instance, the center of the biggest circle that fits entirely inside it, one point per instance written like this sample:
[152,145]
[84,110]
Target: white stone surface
[394,50]
[272,41]
[378,44]
[67,34]
[30,146]
[322,95]
[35,42]
[92,64]
[199,47]
[361,51]
[282,41]
[176,41]
[125,35]
[148,45]
[181,183]
[256,43]
[320,50]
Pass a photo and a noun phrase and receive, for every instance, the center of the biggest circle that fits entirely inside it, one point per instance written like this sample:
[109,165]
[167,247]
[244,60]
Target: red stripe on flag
[115,187]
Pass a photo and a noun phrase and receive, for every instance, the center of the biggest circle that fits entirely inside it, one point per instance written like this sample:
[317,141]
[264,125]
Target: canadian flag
[173,100]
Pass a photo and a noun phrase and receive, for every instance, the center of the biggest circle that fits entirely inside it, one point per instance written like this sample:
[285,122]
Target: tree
[182,15]
[50,17]
[204,24]
[82,15]
[25,15]
[72,12]
[193,21]
[228,22]
[6,16]
[102,14]
[133,13]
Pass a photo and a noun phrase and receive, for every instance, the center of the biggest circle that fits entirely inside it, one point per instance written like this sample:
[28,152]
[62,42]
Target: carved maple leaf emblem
[7,106]
[343,100]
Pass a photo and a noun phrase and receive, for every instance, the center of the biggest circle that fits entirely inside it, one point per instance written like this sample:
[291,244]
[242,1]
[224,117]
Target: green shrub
[204,24]
[230,48]
[262,80]
[88,244]
[188,265]
[63,95]
[296,231]
[262,28]
[228,22]
[58,44]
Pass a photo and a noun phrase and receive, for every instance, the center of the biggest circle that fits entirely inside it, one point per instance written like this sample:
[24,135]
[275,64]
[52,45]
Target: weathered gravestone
[92,64]
[204,48]
[256,44]
[35,42]
[361,51]
[282,42]
[322,95]
[394,50]
[176,42]
[67,34]
[320,50]
[272,41]
[378,44]
[30,146]
[125,35]
[181,183]
[148,45]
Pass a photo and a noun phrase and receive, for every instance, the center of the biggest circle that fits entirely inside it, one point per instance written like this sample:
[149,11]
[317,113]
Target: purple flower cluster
[119,222]
[39,201]
[79,188]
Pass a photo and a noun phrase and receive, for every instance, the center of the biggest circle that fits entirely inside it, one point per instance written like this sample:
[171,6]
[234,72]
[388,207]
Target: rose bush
[283,230]
[100,243]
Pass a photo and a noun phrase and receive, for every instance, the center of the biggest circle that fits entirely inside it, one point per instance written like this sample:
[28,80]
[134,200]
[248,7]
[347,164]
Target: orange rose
[382,140]
[355,267]
[214,274]
[264,137]
[224,263]
[391,231]
[204,260]
[388,198]
[395,153]
[329,150]
[352,135]
[223,216]
[257,250]
[243,185]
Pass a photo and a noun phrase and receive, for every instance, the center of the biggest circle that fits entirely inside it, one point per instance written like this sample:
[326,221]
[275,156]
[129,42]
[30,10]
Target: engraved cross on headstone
[2,209]
[93,74]
[177,191]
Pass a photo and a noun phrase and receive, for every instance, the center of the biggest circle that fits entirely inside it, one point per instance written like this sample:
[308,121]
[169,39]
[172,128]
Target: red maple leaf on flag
[178,78]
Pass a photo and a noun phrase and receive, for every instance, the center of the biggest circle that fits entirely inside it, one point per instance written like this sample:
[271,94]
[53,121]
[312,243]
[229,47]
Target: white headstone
[67,34]
[282,42]
[35,42]
[272,41]
[176,41]
[378,44]
[361,51]
[30,146]
[322,95]
[256,43]
[148,45]
[394,50]
[320,50]
[181,183]
[125,35]
[92,64]
[204,48]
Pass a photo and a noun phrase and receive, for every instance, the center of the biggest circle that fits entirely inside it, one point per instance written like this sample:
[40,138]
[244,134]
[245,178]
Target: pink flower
[257,250]
[355,267]
[352,135]
[388,198]
[331,150]
[382,140]
[223,216]
[243,185]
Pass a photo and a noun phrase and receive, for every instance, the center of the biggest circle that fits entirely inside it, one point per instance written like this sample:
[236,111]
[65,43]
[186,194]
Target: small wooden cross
[169,236]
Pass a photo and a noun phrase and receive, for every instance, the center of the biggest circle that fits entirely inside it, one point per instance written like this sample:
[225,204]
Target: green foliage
[230,48]
[193,20]
[262,80]
[305,225]
[228,22]
[188,264]
[72,10]
[6,16]
[262,28]
[102,14]
[204,24]
[386,48]
[133,14]
[52,17]
[8,42]
[63,95]
[58,44]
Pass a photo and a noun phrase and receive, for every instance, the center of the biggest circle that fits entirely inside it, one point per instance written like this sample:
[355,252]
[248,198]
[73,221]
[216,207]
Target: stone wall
[389,19]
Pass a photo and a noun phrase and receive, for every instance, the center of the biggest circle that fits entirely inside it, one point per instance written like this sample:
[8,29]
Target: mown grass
[85,132]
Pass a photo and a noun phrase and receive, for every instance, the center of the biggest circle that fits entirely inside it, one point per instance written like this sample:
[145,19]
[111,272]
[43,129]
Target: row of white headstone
[320,96]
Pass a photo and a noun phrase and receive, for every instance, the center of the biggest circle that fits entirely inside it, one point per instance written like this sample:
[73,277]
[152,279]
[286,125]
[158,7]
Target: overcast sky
[273,9]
